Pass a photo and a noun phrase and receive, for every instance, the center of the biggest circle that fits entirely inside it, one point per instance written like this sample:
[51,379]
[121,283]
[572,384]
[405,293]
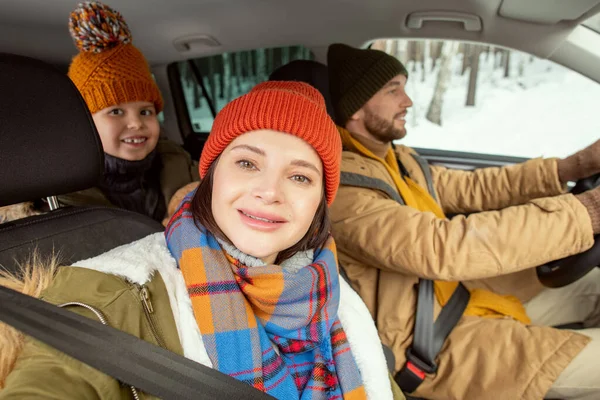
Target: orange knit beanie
[109,70]
[290,107]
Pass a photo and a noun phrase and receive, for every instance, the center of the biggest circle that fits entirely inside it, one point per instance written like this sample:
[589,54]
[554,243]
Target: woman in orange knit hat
[142,171]
[245,278]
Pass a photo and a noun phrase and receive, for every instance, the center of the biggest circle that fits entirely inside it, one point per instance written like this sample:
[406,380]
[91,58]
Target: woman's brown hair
[315,238]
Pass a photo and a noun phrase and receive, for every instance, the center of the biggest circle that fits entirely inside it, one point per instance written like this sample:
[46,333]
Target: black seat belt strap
[358,180]
[133,361]
[426,169]
[429,337]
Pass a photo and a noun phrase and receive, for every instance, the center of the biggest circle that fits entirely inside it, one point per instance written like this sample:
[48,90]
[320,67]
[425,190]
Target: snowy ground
[548,111]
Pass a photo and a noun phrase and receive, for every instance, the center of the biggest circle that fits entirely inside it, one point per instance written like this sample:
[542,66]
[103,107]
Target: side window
[161,115]
[484,99]
[227,76]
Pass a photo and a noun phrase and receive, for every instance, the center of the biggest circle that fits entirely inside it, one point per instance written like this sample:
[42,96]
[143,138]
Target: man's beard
[381,129]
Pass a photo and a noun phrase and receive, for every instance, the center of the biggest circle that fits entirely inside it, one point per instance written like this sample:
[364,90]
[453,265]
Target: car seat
[49,146]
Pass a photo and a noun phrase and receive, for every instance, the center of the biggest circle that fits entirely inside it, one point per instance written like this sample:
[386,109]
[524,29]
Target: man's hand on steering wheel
[562,272]
[581,165]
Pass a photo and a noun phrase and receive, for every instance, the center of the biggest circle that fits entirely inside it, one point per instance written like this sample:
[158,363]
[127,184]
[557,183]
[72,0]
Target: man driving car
[390,224]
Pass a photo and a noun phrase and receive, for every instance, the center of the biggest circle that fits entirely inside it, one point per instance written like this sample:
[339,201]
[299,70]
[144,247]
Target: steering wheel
[567,270]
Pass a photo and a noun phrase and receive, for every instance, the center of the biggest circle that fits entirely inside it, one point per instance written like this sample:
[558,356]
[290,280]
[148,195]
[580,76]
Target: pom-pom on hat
[290,107]
[109,70]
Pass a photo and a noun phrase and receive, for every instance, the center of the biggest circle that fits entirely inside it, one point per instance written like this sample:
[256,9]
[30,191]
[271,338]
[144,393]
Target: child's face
[267,186]
[129,130]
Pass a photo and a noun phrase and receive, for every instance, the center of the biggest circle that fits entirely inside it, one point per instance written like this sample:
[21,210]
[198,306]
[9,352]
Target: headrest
[312,72]
[48,141]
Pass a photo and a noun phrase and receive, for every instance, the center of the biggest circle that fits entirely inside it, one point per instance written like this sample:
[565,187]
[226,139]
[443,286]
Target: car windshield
[480,98]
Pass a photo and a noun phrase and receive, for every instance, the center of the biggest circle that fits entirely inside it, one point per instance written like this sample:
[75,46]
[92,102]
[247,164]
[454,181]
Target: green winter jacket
[137,288]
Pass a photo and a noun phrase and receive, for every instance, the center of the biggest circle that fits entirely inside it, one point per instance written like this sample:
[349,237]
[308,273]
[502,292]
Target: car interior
[169,33]
[49,145]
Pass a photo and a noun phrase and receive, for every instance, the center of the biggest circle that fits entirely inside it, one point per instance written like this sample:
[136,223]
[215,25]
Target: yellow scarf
[483,303]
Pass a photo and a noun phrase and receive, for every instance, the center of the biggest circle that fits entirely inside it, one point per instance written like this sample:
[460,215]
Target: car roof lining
[251,24]
[156,26]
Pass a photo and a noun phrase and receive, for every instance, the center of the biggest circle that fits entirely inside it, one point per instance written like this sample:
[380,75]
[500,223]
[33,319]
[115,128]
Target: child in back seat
[141,170]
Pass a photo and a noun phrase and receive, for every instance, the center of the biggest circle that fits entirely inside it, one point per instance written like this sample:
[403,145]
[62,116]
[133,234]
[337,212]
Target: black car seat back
[49,146]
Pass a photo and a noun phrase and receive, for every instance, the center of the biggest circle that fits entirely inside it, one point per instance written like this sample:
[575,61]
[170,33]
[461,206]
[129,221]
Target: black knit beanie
[355,75]
[312,72]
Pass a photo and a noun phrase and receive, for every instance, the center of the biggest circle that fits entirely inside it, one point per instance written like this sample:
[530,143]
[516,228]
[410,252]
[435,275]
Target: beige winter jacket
[385,247]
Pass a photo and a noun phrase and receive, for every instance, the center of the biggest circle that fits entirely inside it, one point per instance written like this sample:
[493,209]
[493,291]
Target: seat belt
[130,360]
[429,336]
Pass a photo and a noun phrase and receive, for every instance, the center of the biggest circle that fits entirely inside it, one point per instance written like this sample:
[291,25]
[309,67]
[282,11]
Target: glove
[582,164]
[591,201]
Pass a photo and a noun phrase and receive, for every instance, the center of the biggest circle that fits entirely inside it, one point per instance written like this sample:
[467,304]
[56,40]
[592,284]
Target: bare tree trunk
[424,54]
[186,76]
[410,51]
[253,65]
[416,54]
[212,78]
[245,64]
[499,61]
[507,64]
[227,87]
[466,58]
[521,66]
[196,95]
[276,59]
[476,51]
[436,53]
[488,50]
[238,71]
[221,69]
[434,112]
[389,48]
[402,47]
[285,56]
[261,65]
[432,50]
[270,64]
[299,53]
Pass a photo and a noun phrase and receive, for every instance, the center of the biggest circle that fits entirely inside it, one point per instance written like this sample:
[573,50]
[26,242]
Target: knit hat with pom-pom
[109,70]
[295,108]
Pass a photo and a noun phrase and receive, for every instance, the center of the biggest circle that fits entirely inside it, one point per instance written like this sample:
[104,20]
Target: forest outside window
[477,98]
[227,76]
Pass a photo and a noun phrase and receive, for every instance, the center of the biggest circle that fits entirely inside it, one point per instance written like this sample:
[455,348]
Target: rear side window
[227,76]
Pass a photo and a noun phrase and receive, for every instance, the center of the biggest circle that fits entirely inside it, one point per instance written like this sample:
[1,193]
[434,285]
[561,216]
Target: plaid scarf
[273,329]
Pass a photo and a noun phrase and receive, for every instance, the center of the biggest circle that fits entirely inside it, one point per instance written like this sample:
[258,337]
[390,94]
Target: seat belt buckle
[414,372]
[429,368]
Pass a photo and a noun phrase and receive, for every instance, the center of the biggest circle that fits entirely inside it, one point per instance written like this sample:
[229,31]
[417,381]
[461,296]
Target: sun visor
[548,12]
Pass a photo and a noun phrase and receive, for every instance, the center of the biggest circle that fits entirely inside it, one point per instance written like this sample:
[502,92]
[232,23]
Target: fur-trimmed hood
[35,275]
[138,261]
